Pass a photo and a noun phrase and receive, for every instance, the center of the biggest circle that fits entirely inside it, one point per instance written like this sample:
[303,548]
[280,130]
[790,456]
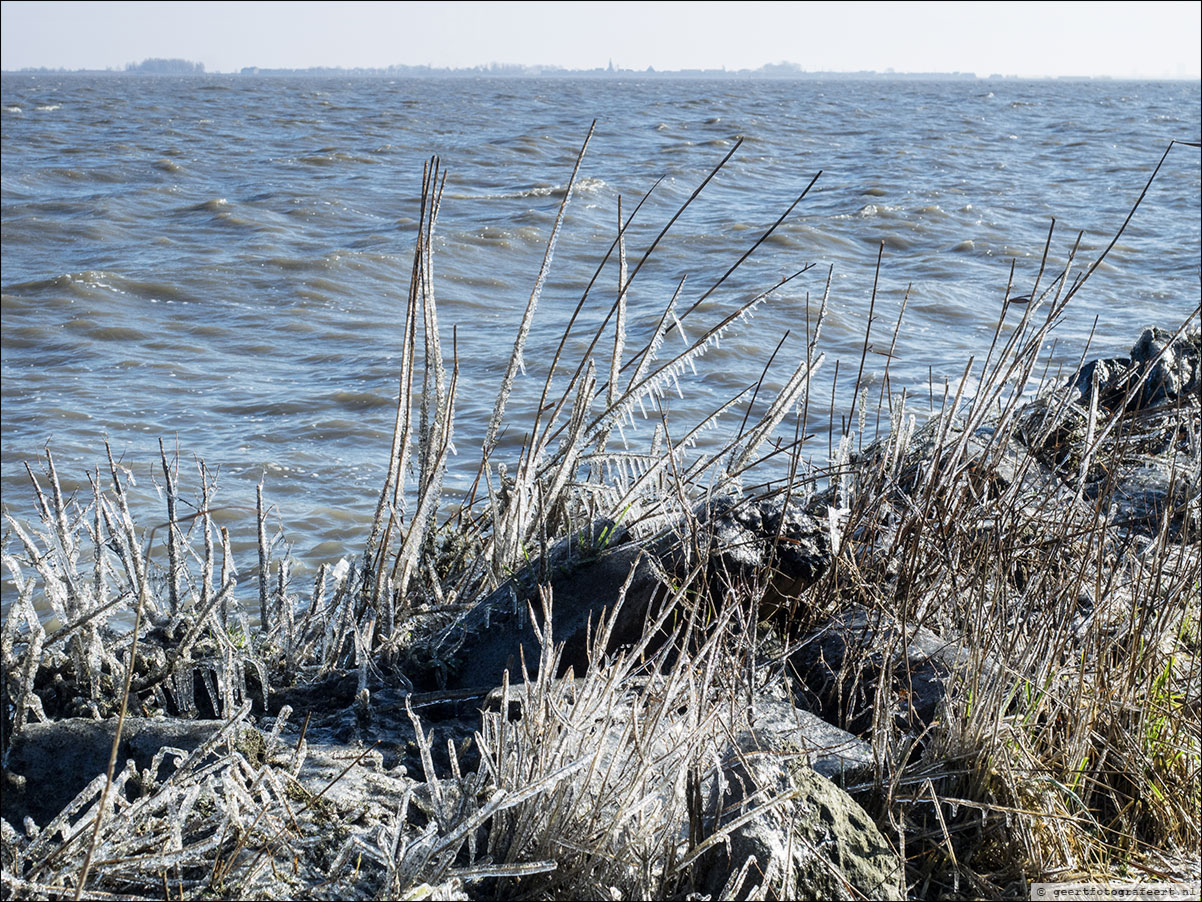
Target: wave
[225,213]
[92,283]
[357,400]
[102,331]
[585,186]
[213,205]
[79,284]
[871,211]
[332,158]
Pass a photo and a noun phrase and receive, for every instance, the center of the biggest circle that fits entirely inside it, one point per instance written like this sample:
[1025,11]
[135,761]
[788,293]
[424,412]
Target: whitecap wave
[585,186]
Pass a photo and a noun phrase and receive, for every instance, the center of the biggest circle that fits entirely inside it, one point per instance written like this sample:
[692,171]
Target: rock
[665,781]
[843,688]
[1144,470]
[497,635]
[773,723]
[1111,374]
[815,842]
[1158,371]
[1139,461]
[1177,373]
[10,843]
[776,725]
[364,792]
[769,542]
[448,891]
[765,541]
[1149,491]
[844,836]
[336,691]
[49,764]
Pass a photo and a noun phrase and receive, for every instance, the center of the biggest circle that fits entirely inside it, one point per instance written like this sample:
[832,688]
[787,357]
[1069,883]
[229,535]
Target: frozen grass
[1069,748]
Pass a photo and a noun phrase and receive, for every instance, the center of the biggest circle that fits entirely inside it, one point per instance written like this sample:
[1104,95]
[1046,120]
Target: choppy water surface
[222,262]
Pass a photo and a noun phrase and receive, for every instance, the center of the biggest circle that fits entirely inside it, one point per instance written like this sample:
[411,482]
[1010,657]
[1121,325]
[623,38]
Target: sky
[1121,40]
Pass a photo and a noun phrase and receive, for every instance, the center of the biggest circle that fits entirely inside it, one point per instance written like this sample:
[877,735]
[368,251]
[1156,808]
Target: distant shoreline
[518,73]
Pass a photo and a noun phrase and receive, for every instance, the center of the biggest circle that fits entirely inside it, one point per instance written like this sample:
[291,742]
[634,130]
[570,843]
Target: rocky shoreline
[749,697]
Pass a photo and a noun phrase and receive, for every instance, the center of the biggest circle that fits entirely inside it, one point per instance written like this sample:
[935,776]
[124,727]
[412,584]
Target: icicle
[833,517]
[676,322]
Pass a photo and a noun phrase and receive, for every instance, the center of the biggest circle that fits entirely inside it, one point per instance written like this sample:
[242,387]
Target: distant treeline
[166,67]
[158,66]
[503,70]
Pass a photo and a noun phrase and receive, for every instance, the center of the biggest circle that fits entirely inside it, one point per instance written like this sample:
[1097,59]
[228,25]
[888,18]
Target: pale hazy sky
[1143,40]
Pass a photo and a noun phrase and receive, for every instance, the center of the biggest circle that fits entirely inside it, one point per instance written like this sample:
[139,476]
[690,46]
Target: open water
[222,262]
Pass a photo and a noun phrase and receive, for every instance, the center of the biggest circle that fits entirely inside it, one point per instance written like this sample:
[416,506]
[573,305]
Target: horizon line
[782,70]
